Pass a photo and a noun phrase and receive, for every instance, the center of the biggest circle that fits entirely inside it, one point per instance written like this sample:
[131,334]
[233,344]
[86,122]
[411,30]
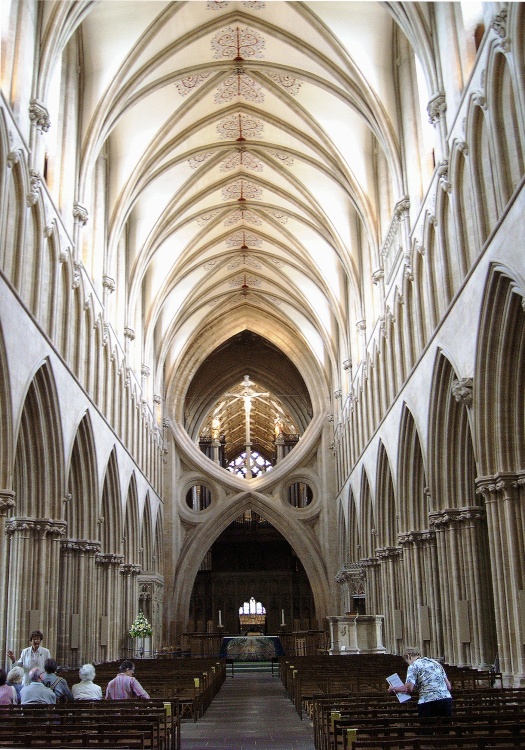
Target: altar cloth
[251,647]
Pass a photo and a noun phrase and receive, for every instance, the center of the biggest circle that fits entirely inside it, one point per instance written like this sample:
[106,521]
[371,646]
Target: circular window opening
[198,497]
[300,495]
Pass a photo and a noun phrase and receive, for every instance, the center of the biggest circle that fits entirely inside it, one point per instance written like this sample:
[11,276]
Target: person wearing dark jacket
[57,684]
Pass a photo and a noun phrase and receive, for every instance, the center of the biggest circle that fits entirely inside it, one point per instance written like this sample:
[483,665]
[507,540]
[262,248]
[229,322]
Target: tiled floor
[251,712]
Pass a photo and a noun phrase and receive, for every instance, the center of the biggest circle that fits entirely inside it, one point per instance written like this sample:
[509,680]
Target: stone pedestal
[142,647]
[356,634]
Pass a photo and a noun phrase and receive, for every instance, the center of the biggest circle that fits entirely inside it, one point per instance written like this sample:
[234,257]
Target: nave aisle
[250,712]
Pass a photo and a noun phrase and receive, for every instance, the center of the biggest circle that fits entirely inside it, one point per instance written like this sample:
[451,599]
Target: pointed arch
[6,420]
[202,537]
[508,146]
[39,466]
[354,536]
[157,556]
[452,465]
[413,509]
[82,485]
[367,521]
[131,523]
[385,501]
[463,587]
[111,509]
[483,172]
[500,373]
[147,541]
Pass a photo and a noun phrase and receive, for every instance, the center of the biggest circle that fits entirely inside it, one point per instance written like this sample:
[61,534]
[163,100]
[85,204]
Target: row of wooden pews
[306,676]
[352,709]
[144,725]
[194,682]
[177,688]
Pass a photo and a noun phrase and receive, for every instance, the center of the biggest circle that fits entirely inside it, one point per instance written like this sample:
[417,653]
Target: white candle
[282,616]
[220,619]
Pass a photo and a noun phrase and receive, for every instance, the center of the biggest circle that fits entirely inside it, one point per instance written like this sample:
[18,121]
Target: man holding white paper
[430,680]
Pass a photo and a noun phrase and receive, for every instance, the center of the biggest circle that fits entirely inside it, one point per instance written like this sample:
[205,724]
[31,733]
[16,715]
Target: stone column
[34,554]
[130,601]
[78,611]
[388,557]
[7,504]
[370,567]
[109,601]
[506,522]
[279,448]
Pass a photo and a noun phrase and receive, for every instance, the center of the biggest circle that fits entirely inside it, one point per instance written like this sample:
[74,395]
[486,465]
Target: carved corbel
[499,26]
[462,391]
[402,207]
[13,157]
[480,100]
[108,283]
[80,214]
[35,185]
[77,273]
[443,176]
[7,501]
[436,108]
[39,115]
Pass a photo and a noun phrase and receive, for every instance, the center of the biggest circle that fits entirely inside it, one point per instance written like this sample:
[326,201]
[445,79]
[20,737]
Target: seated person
[86,690]
[57,684]
[36,691]
[124,686]
[7,692]
[15,677]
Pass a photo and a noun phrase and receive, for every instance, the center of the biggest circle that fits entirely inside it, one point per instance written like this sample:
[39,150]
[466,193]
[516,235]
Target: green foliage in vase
[141,627]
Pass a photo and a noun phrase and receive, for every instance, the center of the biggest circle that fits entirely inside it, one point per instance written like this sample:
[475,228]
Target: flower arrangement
[141,627]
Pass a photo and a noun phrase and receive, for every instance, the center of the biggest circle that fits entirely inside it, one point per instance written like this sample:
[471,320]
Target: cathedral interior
[262,328]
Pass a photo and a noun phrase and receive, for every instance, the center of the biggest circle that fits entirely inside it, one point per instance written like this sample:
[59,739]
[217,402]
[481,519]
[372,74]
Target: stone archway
[200,538]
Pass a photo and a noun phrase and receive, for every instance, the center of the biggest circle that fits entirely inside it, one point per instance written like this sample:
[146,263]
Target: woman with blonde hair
[14,678]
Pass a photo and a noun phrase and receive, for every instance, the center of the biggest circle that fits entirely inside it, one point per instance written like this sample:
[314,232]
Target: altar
[251,647]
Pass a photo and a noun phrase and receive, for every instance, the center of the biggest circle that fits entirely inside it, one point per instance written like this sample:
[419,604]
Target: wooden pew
[158,722]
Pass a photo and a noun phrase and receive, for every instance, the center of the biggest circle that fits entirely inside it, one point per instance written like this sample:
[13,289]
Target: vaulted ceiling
[240,140]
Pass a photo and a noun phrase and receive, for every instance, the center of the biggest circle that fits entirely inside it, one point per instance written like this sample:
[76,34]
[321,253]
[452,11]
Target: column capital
[417,538]
[388,553]
[130,569]
[456,516]
[500,486]
[109,558]
[80,546]
[43,527]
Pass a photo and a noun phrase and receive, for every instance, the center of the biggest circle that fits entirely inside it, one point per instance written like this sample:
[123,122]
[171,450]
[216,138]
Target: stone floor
[251,712]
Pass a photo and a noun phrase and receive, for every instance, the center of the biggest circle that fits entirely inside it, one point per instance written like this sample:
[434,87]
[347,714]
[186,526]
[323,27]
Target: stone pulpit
[356,634]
